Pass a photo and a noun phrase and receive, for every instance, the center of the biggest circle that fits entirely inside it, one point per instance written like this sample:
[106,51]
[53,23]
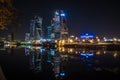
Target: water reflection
[38,56]
[62,63]
[87,52]
[93,60]
[10,50]
[35,58]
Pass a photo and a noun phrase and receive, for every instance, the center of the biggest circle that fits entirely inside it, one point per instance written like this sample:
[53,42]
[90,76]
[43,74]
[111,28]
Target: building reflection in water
[97,60]
[55,59]
[35,58]
[10,50]
[39,55]
[59,58]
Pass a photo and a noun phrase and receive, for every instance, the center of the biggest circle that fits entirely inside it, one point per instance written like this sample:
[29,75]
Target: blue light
[42,50]
[83,54]
[87,54]
[62,74]
[86,35]
[62,14]
[49,61]
[91,54]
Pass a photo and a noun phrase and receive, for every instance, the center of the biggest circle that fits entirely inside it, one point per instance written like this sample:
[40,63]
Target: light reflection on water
[64,63]
[39,55]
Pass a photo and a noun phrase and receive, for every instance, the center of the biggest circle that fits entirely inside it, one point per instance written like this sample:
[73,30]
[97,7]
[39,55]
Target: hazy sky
[100,17]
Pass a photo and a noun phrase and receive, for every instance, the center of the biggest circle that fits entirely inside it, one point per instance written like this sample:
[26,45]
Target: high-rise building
[36,32]
[27,36]
[59,23]
[9,38]
[50,32]
[64,28]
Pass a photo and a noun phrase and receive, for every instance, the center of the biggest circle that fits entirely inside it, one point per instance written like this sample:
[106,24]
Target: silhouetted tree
[7,13]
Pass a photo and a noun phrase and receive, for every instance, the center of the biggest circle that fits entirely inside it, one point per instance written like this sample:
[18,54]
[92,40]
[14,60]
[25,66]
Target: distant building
[9,37]
[59,23]
[27,36]
[36,32]
[87,36]
[50,34]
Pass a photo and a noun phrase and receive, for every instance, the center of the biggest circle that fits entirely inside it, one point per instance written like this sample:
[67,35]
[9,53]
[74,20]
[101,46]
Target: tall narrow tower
[36,32]
[56,25]
[60,25]
[64,28]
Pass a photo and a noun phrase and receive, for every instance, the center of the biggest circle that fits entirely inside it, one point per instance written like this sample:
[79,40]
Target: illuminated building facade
[9,38]
[59,23]
[27,36]
[87,37]
[36,32]
[50,32]
[64,28]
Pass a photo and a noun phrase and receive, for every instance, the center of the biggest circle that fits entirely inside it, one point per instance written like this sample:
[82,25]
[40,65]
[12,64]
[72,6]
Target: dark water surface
[36,63]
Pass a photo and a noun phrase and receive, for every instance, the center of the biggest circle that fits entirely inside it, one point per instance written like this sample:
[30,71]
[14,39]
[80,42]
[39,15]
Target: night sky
[100,17]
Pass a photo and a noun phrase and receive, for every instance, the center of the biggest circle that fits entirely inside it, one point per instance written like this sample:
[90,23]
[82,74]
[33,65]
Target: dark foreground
[61,64]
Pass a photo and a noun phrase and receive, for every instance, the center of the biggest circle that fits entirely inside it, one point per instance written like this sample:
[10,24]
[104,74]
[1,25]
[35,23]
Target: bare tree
[7,13]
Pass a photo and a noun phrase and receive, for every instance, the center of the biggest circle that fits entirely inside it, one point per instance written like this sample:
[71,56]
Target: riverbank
[94,46]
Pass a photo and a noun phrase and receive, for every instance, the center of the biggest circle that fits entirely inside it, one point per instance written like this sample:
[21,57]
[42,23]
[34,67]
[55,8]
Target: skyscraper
[59,24]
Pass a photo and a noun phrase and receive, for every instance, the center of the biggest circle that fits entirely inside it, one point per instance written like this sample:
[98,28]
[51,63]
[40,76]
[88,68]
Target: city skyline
[97,17]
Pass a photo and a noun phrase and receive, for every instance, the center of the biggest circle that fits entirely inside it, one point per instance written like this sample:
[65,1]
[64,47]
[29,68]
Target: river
[36,63]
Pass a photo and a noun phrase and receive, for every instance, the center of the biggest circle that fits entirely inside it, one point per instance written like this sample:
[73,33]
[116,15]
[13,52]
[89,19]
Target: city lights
[39,40]
[62,14]
[87,36]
